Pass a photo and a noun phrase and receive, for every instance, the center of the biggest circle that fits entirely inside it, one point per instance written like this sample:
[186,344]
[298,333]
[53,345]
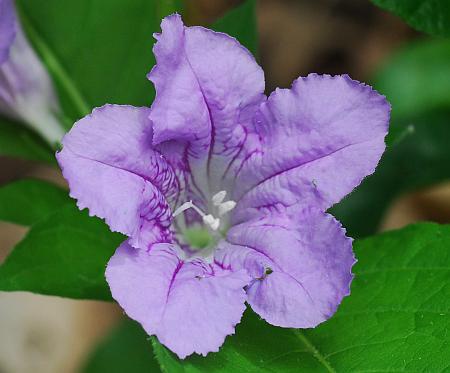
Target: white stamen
[185,206]
[225,207]
[210,220]
[213,223]
[188,205]
[219,197]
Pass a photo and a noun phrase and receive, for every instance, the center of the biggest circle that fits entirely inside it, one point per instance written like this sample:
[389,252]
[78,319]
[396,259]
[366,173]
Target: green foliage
[431,16]
[415,81]
[27,201]
[397,318]
[166,7]
[240,22]
[97,51]
[125,349]
[64,254]
[112,66]
[20,142]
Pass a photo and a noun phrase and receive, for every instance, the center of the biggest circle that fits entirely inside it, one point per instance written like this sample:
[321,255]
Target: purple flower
[26,91]
[258,173]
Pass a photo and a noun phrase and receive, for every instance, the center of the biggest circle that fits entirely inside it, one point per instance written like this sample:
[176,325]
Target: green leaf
[27,201]
[125,349]
[415,81]
[97,51]
[240,23]
[166,7]
[430,16]
[64,254]
[396,319]
[20,142]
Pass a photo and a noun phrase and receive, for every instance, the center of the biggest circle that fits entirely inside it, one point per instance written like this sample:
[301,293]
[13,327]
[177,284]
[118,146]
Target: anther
[218,198]
[211,221]
[225,207]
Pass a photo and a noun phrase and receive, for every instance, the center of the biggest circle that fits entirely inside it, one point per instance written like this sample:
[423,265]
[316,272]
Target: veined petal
[7,28]
[190,306]
[179,111]
[208,89]
[112,169]
[319,140]
[300,262]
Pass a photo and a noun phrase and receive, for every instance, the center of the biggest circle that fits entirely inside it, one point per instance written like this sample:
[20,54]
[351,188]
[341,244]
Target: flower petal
[319,140]
[112,169]
[300,262]
[208,89]
[190,306]
[7,28]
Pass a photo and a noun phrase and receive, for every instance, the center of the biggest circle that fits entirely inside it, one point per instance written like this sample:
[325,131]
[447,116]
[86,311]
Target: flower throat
[213,222]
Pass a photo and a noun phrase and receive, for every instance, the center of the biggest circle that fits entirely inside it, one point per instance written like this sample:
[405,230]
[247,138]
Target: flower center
[219,209]
[200,241]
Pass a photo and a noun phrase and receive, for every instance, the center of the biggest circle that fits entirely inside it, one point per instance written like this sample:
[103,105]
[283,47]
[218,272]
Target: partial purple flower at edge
[26,90]
[258,172]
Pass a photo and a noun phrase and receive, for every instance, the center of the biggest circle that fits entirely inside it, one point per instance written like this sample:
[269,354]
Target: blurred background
[296,37]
